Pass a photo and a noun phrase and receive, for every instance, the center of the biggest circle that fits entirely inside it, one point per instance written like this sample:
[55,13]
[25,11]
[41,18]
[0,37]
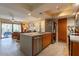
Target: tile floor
[9,47]
[57,49]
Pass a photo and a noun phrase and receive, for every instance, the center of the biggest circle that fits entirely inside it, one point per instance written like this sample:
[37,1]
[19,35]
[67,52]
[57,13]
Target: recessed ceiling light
[57,7]
[29,14]
[40,12]
[39,18]
[74,13]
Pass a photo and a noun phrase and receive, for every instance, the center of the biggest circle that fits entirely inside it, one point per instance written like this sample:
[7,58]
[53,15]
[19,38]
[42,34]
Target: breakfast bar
[34,42]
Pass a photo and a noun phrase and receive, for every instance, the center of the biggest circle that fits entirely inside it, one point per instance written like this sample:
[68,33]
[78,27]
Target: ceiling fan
[12,17]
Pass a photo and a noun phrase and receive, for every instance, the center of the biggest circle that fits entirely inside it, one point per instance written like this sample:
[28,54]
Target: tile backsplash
[38,26]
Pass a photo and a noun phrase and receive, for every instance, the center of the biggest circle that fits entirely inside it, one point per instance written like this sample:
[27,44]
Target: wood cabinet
[74,48]
[39,43]
[46,40]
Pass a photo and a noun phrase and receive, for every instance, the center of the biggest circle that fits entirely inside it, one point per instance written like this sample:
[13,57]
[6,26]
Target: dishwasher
[37,41]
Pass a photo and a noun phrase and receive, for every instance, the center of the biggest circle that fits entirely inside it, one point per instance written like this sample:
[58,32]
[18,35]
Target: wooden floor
[9,47]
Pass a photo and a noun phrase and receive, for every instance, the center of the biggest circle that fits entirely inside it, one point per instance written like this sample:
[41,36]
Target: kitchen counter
[31,34]
[35,33]
[74,38]
[74,45]
[33,43]
[45,32]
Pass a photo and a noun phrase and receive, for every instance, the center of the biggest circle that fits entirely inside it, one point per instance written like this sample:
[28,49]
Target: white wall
[43,26]
[70,22]
[0,30]
[57,30]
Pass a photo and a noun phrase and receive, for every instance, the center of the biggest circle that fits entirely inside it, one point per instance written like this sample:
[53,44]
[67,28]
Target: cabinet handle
[37,37]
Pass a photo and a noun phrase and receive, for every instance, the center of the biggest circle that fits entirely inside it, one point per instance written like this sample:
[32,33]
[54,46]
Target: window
[16,28]
[6,30]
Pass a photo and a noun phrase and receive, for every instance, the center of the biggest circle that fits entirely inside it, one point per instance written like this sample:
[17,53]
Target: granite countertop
[31,34]
[35,33]
[74,38]
[45,32]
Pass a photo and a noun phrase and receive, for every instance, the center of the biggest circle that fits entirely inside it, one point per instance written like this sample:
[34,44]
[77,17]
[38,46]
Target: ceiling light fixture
[40,12]
[29,14]
[39,18]
[57,7]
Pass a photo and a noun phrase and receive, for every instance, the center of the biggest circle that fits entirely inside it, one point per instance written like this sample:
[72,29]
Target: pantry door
[62,30]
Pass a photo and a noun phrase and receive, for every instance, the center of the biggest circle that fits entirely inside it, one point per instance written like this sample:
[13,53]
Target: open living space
[39,29]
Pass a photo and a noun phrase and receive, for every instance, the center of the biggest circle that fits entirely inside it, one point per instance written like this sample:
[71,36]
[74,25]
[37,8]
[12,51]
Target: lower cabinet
[41,42]
[32,45]
[46,40]
[74,46]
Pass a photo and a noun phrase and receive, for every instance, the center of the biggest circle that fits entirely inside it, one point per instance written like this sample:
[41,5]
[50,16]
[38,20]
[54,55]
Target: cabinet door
[38,48]
[48,39]
[34,46]
[44,41]
[40,44]
[74,49]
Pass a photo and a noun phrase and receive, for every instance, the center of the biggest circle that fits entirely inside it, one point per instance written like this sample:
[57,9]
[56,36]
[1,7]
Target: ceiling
[33,11]
[31,6]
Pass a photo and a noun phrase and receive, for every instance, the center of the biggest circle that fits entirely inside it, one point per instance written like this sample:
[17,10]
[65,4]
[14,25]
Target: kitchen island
[33,43]
[74,45]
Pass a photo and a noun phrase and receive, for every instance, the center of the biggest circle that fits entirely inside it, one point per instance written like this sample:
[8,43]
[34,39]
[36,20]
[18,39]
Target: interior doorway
[62,30]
